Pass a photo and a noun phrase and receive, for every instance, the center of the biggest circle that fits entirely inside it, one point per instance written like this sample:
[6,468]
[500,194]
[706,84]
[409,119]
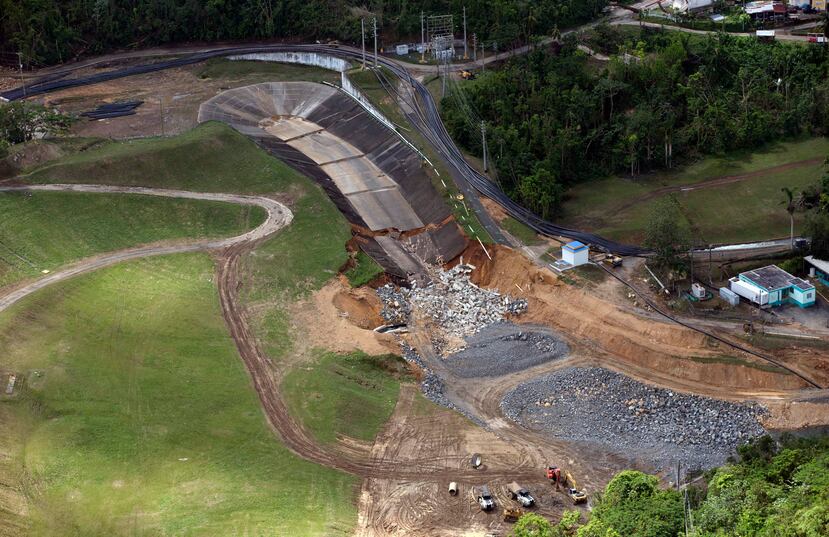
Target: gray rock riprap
[503,347]
[451,300]
[598,406]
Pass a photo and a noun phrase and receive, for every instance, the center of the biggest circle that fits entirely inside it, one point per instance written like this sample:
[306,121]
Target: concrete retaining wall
[304,58]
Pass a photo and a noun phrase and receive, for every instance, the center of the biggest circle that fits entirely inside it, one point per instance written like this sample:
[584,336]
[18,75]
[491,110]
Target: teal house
[773,286]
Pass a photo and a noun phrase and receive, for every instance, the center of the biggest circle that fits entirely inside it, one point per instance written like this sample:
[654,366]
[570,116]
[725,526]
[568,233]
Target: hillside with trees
[775,490]
[51,31]
[556,118]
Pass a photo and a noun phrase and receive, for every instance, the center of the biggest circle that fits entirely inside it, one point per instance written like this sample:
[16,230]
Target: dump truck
[485,499]
[512,514]
[520,494]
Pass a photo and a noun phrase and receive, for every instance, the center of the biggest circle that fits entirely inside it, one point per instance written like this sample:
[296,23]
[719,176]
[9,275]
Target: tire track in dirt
[263,377]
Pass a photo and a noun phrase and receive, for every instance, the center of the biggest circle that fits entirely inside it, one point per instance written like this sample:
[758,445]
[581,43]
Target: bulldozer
[468,75]
[512,514]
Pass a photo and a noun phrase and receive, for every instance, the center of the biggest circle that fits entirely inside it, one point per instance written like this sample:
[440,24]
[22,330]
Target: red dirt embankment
[650,349]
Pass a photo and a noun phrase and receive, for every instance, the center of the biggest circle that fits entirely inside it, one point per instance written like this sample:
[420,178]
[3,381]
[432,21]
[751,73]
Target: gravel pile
[432,385]
[458,306]
[598,406]
[502,348]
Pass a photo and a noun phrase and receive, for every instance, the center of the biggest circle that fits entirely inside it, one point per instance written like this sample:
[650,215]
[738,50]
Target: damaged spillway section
[373,177]
[656,425]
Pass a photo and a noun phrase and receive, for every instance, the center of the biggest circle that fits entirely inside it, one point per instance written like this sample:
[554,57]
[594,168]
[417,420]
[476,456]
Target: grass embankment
[374,91]
[262,71]
[750,209]
[351,395]
[137,416]
[237,479]
[364,270]
[46,230]
[210,158]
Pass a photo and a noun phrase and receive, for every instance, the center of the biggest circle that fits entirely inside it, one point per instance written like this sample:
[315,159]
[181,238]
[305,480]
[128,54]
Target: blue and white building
[773,286]
[575,253]
[818,268]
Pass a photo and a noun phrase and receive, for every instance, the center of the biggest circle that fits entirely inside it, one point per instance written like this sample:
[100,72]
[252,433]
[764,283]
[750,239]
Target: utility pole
[22,80]
[465,53]
[161,112]
[363,32]
[474,47]
[483,138]
[443,78]
[422,39]
[483,57]
[375,41]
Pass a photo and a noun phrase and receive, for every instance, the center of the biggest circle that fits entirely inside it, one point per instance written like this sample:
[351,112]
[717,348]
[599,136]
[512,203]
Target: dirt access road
[265,380]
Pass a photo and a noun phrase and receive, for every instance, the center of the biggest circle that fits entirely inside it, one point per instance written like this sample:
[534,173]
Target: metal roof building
[773,286]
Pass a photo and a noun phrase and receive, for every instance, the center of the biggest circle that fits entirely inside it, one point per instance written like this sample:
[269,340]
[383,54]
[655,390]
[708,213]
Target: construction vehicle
[567,480]
[554,474]
[612,260]
[520,494]
[578,496]
[512,514]
[468,75]
[485,499]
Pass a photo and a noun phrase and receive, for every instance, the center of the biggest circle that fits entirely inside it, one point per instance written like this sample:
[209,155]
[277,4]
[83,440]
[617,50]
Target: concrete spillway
[374,178]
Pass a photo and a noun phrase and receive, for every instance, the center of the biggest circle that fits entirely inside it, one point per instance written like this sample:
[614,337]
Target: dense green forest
[555,117]
[49,31]
[775,490]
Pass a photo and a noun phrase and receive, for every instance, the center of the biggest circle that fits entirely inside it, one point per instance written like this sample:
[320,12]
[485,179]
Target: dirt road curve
[279,216]
[264,378]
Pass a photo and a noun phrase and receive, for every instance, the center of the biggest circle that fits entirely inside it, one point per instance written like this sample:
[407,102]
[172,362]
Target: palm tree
[791,206]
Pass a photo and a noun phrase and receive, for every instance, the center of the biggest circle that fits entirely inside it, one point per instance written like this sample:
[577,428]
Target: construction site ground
[406,470]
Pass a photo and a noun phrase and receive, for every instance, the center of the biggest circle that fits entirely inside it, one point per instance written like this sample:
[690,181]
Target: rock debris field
[503,348]
[656,425]
[456,305]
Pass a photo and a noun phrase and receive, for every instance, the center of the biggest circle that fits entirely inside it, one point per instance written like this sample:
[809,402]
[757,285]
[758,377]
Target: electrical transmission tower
[441,35]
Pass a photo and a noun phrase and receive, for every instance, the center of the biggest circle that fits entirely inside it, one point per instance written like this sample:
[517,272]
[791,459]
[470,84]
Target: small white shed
[575,253]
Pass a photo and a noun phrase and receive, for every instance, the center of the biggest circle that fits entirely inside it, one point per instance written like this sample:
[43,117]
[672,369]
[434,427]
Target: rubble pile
[599,406]
[458,306]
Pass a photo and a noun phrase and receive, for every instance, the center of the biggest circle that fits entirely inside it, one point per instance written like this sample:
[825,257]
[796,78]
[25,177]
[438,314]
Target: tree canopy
[554,118]
[49,31]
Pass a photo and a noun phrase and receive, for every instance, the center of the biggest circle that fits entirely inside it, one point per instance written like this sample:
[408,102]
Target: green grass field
[210,158]
[137,416]
[737,212]
[351,395]
[46,230]
[364,270]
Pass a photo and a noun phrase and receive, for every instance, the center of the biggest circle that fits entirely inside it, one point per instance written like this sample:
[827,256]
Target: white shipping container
[729,296]
[748,291]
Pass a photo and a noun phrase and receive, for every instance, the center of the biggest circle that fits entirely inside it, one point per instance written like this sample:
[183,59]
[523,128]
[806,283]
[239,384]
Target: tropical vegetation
[555,118]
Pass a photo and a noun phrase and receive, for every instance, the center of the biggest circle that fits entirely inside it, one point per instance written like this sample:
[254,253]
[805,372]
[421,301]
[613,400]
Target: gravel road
[504,347]
[597,406]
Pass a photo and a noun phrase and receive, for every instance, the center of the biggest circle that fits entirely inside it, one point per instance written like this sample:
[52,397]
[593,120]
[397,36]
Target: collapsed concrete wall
[373,177]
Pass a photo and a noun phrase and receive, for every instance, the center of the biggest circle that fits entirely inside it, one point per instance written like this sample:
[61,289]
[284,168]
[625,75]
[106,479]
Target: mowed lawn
[352,394]
[137,416]
[46,230]
[751,209]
